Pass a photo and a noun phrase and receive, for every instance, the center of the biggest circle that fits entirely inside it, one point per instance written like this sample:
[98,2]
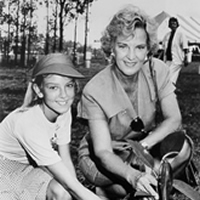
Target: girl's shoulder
[29,114]
[19,117]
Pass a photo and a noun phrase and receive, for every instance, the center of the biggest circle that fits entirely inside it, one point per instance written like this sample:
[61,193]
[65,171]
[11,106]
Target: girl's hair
[31,98]
[125,22]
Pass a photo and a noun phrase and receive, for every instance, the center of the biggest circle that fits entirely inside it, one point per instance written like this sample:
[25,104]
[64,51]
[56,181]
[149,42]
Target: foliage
[21,22]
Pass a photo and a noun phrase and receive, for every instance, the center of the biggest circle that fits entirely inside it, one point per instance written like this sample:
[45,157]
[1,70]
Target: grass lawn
[13,82]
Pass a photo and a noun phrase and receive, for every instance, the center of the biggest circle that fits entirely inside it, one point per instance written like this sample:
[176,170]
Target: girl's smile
[58,94]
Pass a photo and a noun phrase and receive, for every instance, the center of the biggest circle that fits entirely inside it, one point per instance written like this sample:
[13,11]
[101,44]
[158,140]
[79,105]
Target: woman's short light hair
[125,22]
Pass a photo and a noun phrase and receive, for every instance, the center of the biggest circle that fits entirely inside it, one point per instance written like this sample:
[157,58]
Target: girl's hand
[145,183]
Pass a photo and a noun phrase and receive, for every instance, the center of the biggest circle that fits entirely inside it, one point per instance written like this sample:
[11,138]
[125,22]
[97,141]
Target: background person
[35,161]
[118,98]
[175,45]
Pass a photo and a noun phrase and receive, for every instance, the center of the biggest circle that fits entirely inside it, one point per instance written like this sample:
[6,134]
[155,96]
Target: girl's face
[58,93]
[130,52]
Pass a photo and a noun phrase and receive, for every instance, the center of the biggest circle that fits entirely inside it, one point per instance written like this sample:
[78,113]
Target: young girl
[35,160]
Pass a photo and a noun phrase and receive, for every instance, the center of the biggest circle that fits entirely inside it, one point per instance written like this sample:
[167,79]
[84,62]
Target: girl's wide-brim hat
[56,63]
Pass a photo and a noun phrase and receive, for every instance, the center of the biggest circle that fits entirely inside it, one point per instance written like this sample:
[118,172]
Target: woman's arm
[63,175]
[64,152]
[101,140]
[171,122]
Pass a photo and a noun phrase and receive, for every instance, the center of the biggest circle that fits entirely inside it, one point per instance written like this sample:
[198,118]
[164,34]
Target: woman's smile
[130,64]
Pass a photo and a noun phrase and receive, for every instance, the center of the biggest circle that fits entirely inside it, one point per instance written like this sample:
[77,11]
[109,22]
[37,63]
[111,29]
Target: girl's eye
[52,87]
[71,85]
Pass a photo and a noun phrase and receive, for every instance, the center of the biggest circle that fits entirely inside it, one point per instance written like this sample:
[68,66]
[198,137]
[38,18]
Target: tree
[81,7]
[47,29]
[22,23]
[2,5]
[65,16]
[55,14]
[69,10]
[18,17]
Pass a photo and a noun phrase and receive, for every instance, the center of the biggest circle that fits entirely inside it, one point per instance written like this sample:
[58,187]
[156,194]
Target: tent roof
[189,25]
[161,17]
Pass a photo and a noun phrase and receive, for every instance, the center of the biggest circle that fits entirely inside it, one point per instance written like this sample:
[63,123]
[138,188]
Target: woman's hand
[145,183]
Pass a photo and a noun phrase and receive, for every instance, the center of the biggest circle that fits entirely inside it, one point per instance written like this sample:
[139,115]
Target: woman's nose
[131,53]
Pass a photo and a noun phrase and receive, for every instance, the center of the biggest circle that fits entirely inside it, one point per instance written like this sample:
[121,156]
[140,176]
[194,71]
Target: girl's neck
[50,114]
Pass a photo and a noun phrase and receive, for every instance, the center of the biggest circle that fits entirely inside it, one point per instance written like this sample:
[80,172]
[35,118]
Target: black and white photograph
[99,100]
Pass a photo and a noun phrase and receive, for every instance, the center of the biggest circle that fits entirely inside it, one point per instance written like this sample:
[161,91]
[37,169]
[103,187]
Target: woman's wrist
[133,176]
[145,145]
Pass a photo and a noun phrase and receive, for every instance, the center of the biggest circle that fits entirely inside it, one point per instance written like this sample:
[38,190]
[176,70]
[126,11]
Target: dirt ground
[13,82]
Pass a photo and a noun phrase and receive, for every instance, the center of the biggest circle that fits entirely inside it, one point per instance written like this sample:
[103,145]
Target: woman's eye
[141,47]
[122,46]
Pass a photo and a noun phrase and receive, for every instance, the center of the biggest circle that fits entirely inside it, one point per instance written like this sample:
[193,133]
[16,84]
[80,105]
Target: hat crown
[55,63]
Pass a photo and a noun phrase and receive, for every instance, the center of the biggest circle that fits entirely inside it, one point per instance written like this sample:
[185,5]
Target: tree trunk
[47,30]
[61,27]
[55,27]
[75,40]
[86,29]
[23,48]
[17,34]
[8,41]
[29,33]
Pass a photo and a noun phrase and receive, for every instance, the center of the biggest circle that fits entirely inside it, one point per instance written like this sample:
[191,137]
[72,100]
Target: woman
[121,98]
[35,160]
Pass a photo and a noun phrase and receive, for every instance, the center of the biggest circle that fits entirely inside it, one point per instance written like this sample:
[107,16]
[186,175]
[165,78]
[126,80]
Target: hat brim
[62,70]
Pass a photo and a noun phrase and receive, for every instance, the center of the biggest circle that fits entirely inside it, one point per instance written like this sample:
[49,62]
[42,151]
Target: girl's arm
[64,152]
[64,176]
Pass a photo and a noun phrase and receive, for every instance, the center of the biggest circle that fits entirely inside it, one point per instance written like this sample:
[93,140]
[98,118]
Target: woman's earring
[40,95]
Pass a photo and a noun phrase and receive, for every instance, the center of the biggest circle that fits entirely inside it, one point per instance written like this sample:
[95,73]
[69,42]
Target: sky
[101,12]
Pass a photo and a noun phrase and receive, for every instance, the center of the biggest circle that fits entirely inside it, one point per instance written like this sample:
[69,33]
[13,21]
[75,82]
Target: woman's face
[58,93]
[130,52]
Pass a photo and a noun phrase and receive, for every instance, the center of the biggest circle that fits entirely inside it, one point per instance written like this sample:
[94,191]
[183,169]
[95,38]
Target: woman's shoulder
[160,66]
[160,69]
[100,80]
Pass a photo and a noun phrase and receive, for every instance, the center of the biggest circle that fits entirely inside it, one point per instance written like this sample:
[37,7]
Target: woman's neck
[130,86]
[124,79]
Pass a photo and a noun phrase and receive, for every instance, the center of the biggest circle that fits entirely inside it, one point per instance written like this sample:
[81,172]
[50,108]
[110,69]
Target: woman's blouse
[104,98]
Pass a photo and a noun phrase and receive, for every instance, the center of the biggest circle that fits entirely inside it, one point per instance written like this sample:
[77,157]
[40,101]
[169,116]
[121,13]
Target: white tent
[189,25]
